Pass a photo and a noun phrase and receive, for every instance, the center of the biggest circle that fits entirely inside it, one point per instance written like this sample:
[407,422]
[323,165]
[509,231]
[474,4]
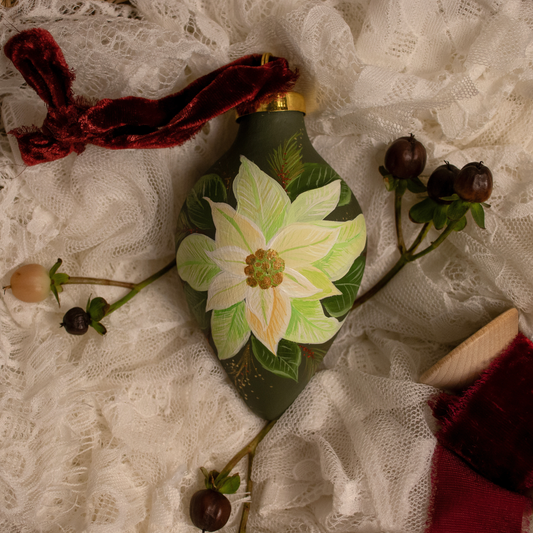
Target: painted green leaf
[349,245]
[314,204]
[230,330]
[285,364]
[309,324]
[183,227]
[317,175]
[199,210]
[415,185]
[194,265]
[260,198]
[346,194]
[320,281]
[349,286]
[423,211]
[458,209]
[478,214]
[312,356]
[439,216]
[286,160]
[197,303]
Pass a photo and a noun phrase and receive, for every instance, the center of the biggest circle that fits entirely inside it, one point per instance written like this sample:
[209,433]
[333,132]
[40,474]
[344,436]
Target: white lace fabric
[107,434]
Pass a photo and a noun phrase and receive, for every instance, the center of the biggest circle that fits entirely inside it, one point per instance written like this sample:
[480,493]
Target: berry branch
[209,508]
[451,194]
[33,283]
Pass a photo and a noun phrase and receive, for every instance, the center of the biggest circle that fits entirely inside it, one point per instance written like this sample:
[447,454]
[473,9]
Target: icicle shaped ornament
[271,249]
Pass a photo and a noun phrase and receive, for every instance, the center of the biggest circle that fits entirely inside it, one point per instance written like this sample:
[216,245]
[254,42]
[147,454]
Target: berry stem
[249,487]
[398,194]
[248,450]
[73,280]
[437,242]
[139,287]
[382,282]
[405,257]
[420,237]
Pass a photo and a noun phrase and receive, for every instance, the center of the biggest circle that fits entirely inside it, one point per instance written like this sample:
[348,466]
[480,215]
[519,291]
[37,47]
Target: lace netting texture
[107,434]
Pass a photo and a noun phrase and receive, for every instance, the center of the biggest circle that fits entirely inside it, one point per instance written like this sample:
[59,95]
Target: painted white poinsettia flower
[271,262]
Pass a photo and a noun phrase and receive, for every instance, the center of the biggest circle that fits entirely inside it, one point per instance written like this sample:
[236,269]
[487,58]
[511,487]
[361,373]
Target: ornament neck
[290,101]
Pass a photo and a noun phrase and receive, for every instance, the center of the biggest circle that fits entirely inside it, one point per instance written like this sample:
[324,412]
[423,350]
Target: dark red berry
[76,321]
[473,183]
[405,158]
[209,510]
[440,183]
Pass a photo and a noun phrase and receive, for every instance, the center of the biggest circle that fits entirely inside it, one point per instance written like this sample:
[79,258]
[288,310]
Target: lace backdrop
[107,435]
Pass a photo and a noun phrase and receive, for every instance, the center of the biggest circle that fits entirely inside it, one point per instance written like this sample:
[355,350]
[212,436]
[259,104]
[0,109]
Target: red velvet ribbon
[131,122]
[483,464]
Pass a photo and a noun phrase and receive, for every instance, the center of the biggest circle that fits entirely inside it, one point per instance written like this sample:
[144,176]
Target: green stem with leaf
[138,287]
[226,484]
[430,213]
[98,308]
[406,257]
[250,451]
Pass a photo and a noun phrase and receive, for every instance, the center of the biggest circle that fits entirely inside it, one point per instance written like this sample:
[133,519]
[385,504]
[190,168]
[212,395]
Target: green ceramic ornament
[271,250]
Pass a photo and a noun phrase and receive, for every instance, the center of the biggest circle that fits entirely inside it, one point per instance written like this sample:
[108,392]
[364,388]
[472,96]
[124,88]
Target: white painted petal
[281,315]
[260,198]
[230,259]
[315,204]
[296,285]
[225,291]
[233,229]
[260,302]
[299,245]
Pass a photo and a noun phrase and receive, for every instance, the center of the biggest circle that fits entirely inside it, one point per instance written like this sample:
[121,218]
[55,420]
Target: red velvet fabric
[131,122]
[484,460]
[490,425]
[465,502]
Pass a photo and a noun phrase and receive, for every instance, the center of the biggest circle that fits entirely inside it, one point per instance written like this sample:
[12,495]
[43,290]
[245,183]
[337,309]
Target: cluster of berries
[451,192]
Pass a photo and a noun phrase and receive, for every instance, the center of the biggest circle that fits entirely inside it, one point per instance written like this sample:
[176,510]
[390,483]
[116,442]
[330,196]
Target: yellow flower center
[264,269]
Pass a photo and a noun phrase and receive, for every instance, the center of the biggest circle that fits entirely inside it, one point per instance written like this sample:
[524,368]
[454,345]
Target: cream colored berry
[30,283]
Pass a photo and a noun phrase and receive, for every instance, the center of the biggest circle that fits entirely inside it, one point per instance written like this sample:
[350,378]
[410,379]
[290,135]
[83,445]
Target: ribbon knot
[131,122]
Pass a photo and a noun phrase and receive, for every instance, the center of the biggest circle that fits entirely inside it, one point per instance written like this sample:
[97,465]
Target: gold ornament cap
[291,101]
